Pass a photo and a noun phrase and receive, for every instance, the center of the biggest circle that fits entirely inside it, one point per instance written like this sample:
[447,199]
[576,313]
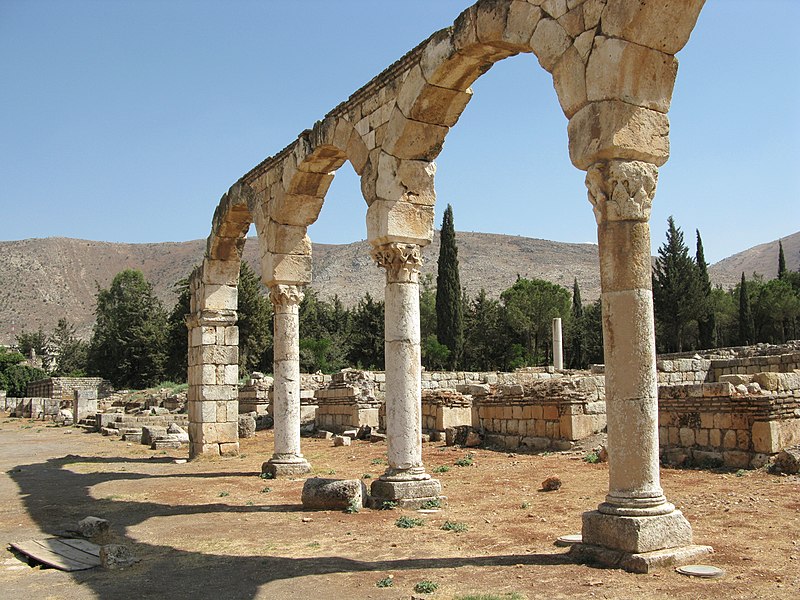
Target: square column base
[405,494]
[636,534]
[637,544]
[285,469]
[641,562]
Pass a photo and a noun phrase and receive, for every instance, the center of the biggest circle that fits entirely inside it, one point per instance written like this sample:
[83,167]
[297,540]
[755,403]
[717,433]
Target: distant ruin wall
[63,388]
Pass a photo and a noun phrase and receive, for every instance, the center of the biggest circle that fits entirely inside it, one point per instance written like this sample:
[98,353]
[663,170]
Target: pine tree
[178,335]
[676,289]
[127,345]
[70,352]
[781,261]
[254,316]
[449,315]
[706,320]
[745,316]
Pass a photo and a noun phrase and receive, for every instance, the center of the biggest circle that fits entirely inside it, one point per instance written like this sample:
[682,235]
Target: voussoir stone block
[660,24]
[616,130]
[620,70]
[286,268]
[399,221]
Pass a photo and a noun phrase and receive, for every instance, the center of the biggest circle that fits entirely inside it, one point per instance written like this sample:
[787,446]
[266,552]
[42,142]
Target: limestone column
[405,480]
[558,345]
[635,517]
[287,458]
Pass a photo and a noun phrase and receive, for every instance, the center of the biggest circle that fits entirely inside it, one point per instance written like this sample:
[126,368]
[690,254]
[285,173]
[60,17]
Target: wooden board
[64,554]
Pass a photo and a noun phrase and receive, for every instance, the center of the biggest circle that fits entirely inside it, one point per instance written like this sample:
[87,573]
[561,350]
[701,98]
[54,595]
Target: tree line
[137,343]
[691,314]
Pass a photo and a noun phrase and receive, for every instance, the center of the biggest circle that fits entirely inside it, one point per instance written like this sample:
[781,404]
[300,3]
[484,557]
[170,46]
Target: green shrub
[426,587]
[405,522]
[454,526]
[385,582]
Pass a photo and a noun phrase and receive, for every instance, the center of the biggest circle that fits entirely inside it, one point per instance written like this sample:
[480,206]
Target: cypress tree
[781,261]
[576,359]
[706,321]
[745,316]
[449,313]
[676,289]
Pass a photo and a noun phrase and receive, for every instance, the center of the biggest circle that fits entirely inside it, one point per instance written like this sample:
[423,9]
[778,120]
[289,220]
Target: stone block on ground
[341,440]
[247,426]
[333,494]
[324,435]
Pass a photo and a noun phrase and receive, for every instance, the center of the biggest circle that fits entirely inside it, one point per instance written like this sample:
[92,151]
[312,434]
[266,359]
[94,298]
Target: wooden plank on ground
[54,552]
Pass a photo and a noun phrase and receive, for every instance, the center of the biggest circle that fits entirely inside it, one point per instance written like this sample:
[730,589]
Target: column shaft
[287,458]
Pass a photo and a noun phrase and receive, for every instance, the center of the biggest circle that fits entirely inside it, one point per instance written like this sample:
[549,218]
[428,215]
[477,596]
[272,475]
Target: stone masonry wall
[542,414]
[723,424]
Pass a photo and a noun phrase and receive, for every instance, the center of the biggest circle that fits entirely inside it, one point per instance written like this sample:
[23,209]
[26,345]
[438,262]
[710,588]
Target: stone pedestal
[84,404]
[635,520]
[287,459]
[405,481]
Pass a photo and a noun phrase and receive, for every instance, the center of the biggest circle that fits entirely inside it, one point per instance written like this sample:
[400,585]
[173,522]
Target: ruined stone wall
[442,409]
[542,414]
[738,426]
[710,365]
[31,408]
[63,388]
[351,400]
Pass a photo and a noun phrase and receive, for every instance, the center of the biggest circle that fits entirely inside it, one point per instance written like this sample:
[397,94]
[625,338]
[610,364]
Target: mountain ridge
[45,279]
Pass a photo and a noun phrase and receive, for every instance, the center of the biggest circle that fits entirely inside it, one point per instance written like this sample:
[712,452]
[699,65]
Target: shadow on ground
[54,495]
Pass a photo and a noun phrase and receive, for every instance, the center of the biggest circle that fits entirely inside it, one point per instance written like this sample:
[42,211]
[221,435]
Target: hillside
[761,259]
[46,279]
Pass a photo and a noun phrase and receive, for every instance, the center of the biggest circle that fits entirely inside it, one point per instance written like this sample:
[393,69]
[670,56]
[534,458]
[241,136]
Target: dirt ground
[215,529]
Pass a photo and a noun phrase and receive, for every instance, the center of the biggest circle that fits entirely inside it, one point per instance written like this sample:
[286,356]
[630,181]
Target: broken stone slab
[377,437]
[116,556]
[351,433]
[165,444]
[135,438]
[92,527]
[180,434]
[324,435]
[150,433]
[341,440]
[333,494]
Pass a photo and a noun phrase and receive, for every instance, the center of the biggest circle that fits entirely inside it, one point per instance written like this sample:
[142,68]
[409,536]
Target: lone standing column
[287,458]
[405,480]
[558,346]
[635,517]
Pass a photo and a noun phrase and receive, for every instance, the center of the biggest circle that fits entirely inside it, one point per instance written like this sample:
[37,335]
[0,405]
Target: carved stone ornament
[401,261]
[622,190]
[284,296]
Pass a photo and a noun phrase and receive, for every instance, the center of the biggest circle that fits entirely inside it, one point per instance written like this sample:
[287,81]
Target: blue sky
[126,120]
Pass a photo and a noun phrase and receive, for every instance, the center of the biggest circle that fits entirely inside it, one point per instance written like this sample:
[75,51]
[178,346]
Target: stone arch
[213,370]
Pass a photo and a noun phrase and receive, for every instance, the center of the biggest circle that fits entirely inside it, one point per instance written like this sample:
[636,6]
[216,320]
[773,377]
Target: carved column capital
[401,261]
[621,190]
[283,296]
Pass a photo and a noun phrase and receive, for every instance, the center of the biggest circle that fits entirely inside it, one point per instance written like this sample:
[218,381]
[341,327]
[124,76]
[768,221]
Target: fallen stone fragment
[91,527]
[341,440]
[788,461]
[324,435]
[551,484]
[116,556]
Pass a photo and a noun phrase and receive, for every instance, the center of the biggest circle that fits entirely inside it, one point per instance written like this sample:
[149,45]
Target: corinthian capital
[284,296]
[401,261]
[622,190]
